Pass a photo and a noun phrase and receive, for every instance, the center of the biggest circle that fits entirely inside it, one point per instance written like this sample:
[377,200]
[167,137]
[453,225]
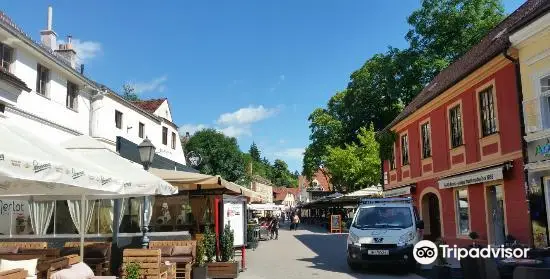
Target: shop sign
[472,178]
[539,150]
[397,192]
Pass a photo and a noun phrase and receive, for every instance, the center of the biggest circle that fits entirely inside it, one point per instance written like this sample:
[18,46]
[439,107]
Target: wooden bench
[101,266]
[149,261]
[183,269]
[18,273]
[65,263]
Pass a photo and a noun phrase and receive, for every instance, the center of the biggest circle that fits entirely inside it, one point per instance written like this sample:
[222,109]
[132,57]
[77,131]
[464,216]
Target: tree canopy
[129,93]
[440,32]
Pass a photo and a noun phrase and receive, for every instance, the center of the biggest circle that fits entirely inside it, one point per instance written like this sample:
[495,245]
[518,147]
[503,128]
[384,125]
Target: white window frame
[121,119]
[544,102]
[457,210]
[46,92]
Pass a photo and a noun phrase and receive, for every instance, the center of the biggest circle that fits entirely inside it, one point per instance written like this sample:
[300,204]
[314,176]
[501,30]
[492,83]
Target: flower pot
[223,270]
[441,271]
[199,272]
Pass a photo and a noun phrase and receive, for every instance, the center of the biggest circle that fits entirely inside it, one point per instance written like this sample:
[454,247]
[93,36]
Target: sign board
[234,214]
[397,192]
[14,217]
[539,150]
[335,223]
[472,178]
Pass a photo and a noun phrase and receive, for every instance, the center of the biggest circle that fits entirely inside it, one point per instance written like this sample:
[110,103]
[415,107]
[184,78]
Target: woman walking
[295,221]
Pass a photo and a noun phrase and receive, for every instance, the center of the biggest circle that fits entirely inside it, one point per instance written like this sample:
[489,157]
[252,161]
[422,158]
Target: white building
[43,88]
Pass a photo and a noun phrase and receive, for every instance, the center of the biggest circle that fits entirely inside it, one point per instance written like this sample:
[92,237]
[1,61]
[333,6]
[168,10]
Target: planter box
[199,272]
[223,270]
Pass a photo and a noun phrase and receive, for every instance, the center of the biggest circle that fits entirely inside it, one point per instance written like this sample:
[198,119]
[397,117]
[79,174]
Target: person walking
[295,221]
[275,227]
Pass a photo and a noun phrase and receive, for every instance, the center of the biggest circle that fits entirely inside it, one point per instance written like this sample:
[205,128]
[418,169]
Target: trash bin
[253,236]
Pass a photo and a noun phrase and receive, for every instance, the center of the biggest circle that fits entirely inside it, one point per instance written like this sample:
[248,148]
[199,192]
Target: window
[487,112]
[72,95]
[164,135]
[42,79]
[173,140]
[426,140]
[545,101]
[141,130]
[463,217]
[404,150]
[102,217]
[456,126]
[6,56]
[392,158]
[118,119]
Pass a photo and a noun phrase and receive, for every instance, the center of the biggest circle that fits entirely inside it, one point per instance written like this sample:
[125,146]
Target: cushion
[180,259]
[9,250]
[82,269]
[165,251]
[31,277]
[28,265]
[98,250]
[76,271]
[182,251]
[70,251]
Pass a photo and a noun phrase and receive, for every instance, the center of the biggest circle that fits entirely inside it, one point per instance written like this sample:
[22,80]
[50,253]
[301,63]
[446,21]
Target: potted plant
[133,271]
[473,236]
[441,268]
[200,269]
[226,268]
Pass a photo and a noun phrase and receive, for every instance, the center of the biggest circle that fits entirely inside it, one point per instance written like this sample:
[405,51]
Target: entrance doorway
[495,210]
[430,214]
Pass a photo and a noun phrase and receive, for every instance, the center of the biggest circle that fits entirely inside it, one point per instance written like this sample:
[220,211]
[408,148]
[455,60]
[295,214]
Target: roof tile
[149,105]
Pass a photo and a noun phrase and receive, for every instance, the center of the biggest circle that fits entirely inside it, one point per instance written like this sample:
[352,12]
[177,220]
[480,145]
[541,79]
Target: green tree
[220,154]
[357,165]
[281,176]
[129,92]
[254,152]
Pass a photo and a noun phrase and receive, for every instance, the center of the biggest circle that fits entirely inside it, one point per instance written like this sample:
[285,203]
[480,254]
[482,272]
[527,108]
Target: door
[495,208]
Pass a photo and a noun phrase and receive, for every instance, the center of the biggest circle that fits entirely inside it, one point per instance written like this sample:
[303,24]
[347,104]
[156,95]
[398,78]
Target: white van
[384,231]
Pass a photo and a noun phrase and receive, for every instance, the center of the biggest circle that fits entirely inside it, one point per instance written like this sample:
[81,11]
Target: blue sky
[253,69]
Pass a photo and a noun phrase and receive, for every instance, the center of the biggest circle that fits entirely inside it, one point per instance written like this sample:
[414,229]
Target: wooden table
[171,270]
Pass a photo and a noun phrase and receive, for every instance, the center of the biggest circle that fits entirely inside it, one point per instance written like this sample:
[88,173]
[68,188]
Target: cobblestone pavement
[307,253]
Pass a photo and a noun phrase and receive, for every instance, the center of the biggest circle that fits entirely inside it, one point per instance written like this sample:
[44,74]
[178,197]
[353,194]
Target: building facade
[532,43]
[458,152]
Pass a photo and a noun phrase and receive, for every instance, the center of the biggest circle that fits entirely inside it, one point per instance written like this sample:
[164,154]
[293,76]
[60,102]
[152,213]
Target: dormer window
[42,79]
[164,135]
[72,96]
[6,56]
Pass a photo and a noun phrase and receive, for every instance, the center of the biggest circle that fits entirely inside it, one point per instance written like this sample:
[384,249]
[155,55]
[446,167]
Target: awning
[264,207]
[138,181]
[473,177]
[401,191]
[32,166]
[188,181]
[538,166]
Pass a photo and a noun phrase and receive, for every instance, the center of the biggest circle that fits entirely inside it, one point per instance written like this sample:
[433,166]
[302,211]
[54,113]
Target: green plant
[200,253]
[227,243]
[133,271]
[209,242]
[386,139]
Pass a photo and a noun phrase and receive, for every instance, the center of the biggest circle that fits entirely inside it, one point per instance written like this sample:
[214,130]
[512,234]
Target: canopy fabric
[137,181]
[264,207]
[189,181]
[372,190]
[31,166]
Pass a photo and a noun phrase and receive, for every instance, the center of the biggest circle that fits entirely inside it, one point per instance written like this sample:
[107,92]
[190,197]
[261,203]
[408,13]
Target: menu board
[14,217]
[335,223]
[233,214]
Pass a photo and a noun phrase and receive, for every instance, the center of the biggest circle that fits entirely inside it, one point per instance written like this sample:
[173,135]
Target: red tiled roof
[281,192]
[149,105]
[323,180]
[493,44]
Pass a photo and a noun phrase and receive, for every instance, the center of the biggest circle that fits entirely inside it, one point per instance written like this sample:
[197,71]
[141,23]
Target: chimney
[67,51]
[48,37]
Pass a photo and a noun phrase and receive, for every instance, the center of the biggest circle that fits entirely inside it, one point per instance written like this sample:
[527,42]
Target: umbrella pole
[83,207]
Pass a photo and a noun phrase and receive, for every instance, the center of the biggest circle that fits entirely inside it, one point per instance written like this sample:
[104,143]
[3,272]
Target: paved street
[306,253]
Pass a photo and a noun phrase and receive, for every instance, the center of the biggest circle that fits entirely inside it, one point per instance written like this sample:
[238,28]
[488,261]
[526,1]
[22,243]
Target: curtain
[40,213]
[74,209]
[122,207]
[148,211]
[106,216]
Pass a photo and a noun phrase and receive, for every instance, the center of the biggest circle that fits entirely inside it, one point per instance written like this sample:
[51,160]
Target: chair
[148,260]
[97,255]
[18,273]
[524,272]
[181,252]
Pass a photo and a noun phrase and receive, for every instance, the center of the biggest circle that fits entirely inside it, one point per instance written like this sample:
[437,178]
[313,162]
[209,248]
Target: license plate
[378,252]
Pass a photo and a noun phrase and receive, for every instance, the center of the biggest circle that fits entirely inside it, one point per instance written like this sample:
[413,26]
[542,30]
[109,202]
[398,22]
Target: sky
[252,69]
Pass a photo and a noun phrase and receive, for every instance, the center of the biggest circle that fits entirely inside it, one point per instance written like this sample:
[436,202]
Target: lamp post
[146,154]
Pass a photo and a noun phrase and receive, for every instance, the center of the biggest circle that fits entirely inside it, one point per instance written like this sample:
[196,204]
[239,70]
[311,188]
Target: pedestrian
[275,227]
[295,221]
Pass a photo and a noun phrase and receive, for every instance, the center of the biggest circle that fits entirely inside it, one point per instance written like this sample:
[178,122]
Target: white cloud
[85,50]
[282,141]
[282,77]
[236,131]
[191,128]
[156,84]
[246,116]
[291,153]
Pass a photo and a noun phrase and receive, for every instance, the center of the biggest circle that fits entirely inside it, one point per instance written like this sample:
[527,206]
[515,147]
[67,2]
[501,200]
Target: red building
[459,146]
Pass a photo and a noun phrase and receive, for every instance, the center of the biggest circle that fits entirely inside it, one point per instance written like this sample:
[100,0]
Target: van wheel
[353,266]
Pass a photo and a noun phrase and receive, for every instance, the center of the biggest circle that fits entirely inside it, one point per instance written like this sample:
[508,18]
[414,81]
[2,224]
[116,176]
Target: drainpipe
[523,134]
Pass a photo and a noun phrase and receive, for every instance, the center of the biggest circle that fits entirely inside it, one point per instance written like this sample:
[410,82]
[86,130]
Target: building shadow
[331,256]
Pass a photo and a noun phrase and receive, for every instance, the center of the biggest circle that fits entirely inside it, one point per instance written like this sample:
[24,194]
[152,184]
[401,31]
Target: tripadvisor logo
[426,252]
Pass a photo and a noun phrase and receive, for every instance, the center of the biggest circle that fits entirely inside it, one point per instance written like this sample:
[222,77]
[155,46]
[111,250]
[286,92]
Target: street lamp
[146,154]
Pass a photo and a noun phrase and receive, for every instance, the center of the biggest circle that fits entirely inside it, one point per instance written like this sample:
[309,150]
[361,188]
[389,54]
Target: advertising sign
[234,215]
[335,223]
[472,178]
[14,217]
[539,150]
[397,192]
